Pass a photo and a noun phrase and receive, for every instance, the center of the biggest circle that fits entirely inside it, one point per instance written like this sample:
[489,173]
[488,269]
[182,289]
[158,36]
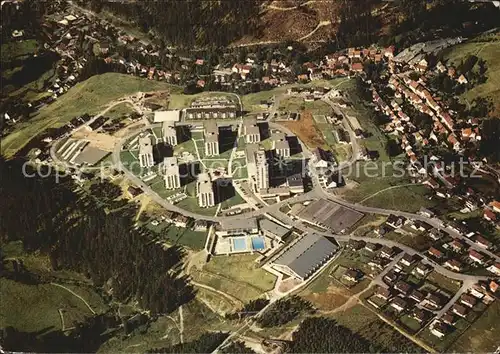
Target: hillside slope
[89,96]
[488,51]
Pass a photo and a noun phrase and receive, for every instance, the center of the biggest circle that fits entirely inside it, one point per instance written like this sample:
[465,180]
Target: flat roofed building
[205,191]
[262,167]
[169,133]
[250,150]
[230,227]
[273,230]
[305,256]
[171,116]
[281,145]
[295,183]
[331,215]
[146,152]
[211,112]
[251,131]
[211,135]
[171,173]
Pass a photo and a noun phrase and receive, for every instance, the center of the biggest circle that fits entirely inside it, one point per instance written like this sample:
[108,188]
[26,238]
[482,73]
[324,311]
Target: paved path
[389,188]
[320,24]
[78,296]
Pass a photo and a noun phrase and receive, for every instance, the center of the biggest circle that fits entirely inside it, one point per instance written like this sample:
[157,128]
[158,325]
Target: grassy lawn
[407,198]
[363,321]
[89,96]
[488,51]
[373,178]
[412,324]
[235,200]
[242,269]
[480,337]
[441,345]
[33,308]
[443,282]
[179,100]
[187,146]
[121,110]
[419,242]
[18,49]
[191,204]
[235,276]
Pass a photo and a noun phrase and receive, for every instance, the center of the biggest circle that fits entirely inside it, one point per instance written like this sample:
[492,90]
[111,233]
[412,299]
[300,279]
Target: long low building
[210,112]
[305,256]
[330,215]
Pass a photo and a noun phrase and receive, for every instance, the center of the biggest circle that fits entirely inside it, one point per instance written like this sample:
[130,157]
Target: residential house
[468,300]
[436,234]
[459,310]
[489,215]
[476,256]
[422,269]
[462,80]
[417,296]
[201,225]
[448,318]
[356,245]
[181,221]
[383,293]
[387,252]
[378,263]
[494,268]
[495,205]
[372,247]
[398,304]
[435,252]
[457,246]
[439,329]
[395,221]
[454,265]
[390,277]
[407,260]
[353,275]
[434,300]
[403,287]
[419,315]
[482,242]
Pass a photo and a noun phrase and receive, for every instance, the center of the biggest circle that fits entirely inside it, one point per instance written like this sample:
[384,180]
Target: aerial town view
[258,176]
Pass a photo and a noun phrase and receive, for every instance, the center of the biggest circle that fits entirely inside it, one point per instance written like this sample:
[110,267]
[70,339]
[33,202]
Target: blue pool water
[239,244]
[258,243]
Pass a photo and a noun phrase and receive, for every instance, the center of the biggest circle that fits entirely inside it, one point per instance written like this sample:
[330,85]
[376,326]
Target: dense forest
[188,23]
[284,311]
[206,343]
[237,347]
[91,236]
[323,335]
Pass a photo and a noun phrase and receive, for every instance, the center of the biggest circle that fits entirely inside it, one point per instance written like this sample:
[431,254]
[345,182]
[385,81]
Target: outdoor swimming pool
[258,243]
[239,244]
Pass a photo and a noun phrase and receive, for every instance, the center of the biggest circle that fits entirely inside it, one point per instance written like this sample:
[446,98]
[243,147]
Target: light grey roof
[306,254]
[235,224]
[168,129]
[145,146]
[204,183]
[272,227]
[282,144]
[170,165]
[330,214]
[211,128]
[278,136]
[250,151]
[252,129]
